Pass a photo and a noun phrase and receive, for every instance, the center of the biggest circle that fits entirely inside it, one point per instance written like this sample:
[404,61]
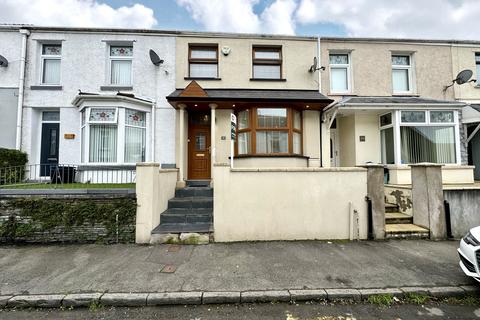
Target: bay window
[424,136]
[113,135]
[269,131]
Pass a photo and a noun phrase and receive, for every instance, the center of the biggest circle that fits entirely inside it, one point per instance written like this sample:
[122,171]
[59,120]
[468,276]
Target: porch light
[308,107]
[196,105]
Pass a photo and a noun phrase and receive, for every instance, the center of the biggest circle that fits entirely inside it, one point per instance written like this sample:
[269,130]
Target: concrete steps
[397,218]
[189,216]
[400,225]
[406,231]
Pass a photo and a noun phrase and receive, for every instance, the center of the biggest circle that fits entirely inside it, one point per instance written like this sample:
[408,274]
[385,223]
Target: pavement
[234,267]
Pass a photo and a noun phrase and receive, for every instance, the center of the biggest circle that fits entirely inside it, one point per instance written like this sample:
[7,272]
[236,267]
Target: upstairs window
[267,63]
[477,63]
[401,74]
[339,73]
[50,63]
[121,65]
[203,62]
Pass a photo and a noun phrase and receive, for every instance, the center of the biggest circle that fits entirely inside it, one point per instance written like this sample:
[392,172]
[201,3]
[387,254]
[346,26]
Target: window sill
[270,156]
[343,94]
[46,87]
[116,88]
[406,94]
[202,79]
[267,79]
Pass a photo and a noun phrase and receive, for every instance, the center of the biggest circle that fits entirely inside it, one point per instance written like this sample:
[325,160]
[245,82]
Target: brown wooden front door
[198,151]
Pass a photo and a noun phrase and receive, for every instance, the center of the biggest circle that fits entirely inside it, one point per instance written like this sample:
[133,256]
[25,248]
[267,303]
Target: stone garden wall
[70,217]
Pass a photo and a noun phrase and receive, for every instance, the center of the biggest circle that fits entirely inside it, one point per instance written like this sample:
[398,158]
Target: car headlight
[471,240]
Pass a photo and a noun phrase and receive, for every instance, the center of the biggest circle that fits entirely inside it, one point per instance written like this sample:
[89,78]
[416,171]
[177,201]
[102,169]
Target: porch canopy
[395,103]
[194,97]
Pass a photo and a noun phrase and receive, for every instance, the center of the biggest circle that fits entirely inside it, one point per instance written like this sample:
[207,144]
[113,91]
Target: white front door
[334,162]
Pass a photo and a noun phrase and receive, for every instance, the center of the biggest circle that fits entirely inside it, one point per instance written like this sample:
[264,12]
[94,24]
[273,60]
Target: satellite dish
[3,61]
[464,76]
[314,67]
[155,58]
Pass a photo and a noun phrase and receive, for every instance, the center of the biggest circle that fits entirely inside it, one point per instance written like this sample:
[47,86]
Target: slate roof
[255,94]
[351,101]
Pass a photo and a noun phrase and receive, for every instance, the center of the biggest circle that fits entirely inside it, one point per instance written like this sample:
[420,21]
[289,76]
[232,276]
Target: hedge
[12,158]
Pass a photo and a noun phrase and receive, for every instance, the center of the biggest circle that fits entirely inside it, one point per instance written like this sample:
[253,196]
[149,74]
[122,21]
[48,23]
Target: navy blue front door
[49,147]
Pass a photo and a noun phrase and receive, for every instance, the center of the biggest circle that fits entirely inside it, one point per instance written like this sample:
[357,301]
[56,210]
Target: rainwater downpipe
[319,80]
[18,142]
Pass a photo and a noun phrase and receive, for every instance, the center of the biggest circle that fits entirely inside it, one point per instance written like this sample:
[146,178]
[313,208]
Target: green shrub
[12,158]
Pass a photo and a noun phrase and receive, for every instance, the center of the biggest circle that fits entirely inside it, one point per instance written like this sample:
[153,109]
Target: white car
[469,252]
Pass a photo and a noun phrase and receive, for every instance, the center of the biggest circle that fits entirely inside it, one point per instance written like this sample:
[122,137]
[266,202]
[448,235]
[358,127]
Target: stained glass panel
[52,49]
[102,114]
[121,51]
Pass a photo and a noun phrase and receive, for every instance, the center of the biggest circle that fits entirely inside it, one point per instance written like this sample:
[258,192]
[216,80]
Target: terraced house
[243,136]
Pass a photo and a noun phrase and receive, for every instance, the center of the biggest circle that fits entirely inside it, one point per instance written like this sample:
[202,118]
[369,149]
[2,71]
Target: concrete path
[229,267]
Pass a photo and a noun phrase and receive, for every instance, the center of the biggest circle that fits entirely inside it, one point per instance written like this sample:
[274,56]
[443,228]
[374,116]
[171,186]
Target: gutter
[18,142]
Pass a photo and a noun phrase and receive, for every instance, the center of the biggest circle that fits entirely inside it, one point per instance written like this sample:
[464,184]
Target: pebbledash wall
[68,216]
[84,62]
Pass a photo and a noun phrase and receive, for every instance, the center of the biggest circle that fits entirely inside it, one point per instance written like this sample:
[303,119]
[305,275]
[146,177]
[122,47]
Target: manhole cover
[169,268]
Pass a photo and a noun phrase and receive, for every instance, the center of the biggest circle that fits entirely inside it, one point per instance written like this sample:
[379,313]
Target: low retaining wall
[49,216]
[464,209]
[289,204]
[451,174]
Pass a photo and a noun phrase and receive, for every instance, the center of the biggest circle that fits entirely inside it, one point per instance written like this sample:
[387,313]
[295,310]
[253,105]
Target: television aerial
[314,67]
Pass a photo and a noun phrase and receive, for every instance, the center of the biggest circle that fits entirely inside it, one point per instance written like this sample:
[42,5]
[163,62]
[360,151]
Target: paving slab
[172,298]
[221,297]
[81,299]
[40,300]
[235,267]
[265,296]
[343,294]
[124,299]
[308,295]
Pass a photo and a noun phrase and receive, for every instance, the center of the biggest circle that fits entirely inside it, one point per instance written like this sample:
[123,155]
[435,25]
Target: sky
[435,19]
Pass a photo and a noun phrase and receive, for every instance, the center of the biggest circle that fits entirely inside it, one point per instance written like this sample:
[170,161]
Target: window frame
[397,123]
[119,58]
[254,128]
[477,66]
[203,47]
[348,68]
[44,57]
[267,62]
[121,125]
[408,68]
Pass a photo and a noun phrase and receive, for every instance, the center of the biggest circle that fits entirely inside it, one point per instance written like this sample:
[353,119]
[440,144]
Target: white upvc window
[113,135]
[120,65]
[414,136]
[340,78]
[402,79]
[50,64]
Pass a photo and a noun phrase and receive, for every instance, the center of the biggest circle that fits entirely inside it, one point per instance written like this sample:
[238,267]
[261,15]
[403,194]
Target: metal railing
[57,175]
